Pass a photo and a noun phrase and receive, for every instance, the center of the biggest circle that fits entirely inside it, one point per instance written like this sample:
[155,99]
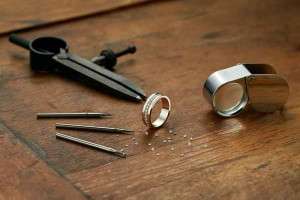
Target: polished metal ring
[150,103]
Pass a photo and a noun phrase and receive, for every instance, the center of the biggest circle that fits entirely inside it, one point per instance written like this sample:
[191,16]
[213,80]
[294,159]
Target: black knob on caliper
[108,58]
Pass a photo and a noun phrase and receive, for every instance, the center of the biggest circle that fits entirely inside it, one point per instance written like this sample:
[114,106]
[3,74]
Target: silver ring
[150,103]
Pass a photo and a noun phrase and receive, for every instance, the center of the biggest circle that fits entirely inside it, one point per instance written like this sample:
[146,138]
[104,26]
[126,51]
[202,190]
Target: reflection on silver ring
[151,101]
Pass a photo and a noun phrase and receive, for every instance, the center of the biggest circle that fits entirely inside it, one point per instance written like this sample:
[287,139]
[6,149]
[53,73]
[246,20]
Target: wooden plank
[232,165]
[247,157]
[35,13]
[49,95]
[24,176]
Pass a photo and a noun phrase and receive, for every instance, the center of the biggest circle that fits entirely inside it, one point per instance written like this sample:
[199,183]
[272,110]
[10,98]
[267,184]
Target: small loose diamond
[191,138]
[126,145]
[152,149]
[136,143]
[171,131]
[184,135]
[149,144]
[164,141]
[172,148]
[157,154]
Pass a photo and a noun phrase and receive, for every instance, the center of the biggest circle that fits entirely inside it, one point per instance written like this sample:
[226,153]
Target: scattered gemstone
[191,138]
[126,145]
[149,144]
[172,148]
[184,135]
[136,143]
[171,131]
[152,149]
[164,141]
[157,154]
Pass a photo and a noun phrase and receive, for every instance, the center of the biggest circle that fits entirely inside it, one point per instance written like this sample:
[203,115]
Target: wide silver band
[150,103]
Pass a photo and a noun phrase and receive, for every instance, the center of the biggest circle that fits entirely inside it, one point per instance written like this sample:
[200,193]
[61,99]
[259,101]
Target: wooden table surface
[252,156]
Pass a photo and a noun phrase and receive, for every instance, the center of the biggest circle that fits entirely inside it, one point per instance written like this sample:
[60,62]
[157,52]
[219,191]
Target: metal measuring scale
[52,54]
[231,90]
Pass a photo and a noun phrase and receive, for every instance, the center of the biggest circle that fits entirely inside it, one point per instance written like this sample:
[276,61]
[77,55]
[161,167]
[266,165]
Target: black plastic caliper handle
[52,54]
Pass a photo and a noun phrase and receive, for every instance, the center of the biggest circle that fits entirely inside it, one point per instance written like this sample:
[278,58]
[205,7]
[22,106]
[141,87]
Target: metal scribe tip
[73,115]
[139,98]
[106,114]
[90,144]
[92,128]
[121,154]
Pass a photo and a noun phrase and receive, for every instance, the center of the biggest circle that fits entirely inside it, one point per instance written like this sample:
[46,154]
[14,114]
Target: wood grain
[24,176]
[236,165]
[179,44]
[18,15]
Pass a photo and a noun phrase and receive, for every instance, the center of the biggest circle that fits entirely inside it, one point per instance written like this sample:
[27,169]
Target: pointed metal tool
[91,144]
[72,115]
[92,128]
[51,54]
